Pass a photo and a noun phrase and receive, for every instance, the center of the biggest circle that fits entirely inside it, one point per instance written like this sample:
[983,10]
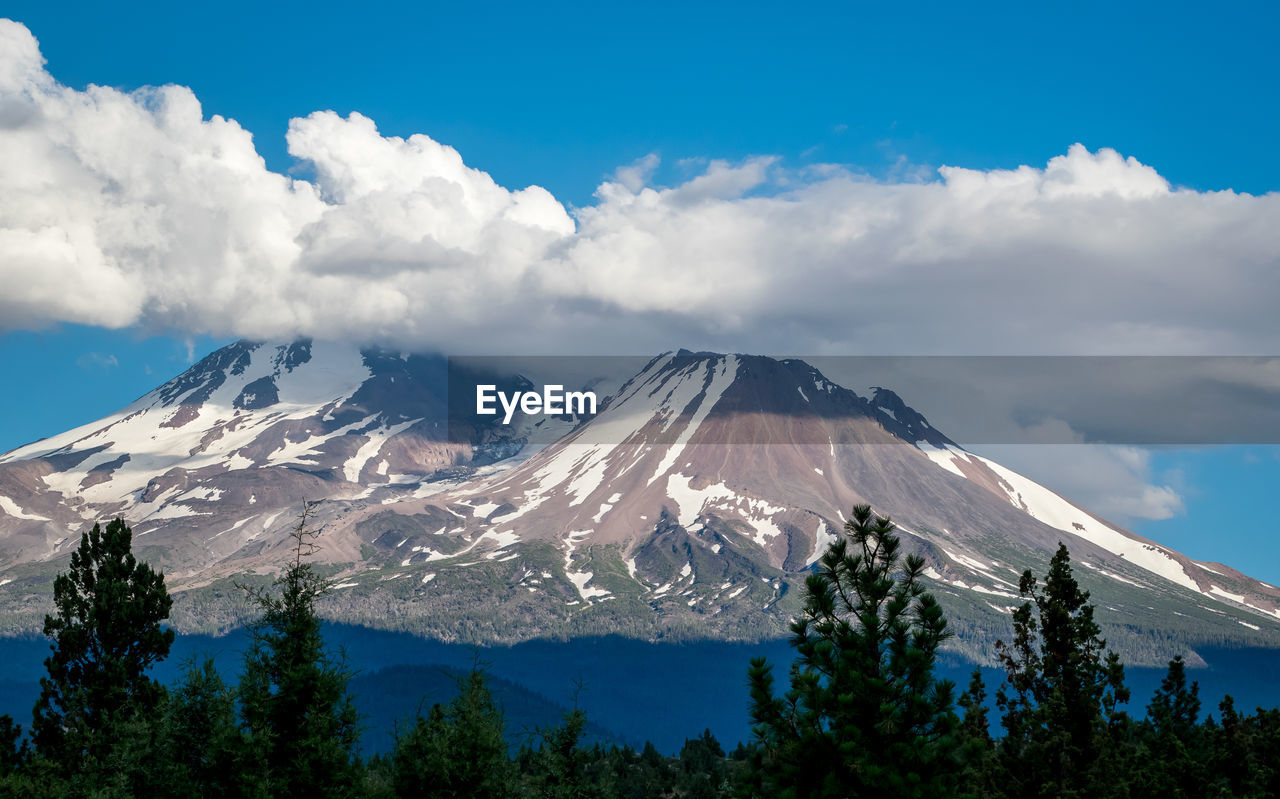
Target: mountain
[690,506]
[216,462]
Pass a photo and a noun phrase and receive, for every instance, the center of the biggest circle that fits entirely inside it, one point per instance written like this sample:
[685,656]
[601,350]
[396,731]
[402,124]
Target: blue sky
[560,94]
[564,95]
[1225,490]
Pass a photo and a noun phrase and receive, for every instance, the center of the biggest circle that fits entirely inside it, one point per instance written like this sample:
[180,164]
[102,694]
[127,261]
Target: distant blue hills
[631,690]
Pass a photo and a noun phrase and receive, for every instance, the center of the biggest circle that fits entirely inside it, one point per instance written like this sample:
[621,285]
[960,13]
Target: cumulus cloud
[130,208]
[1116,482]
[122,208]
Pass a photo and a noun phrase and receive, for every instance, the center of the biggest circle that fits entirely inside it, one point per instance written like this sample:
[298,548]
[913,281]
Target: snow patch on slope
[720,380]
[301,452]
[1046,506]
[11,508]
[580,578]
[944,457]
[823,538]
[370,449]
[692,500]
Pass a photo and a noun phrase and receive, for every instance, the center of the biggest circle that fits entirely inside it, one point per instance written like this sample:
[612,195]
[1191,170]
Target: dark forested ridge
[862,702]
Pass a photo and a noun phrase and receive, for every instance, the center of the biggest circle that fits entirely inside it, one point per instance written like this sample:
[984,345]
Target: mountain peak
[905,421]
[696,499]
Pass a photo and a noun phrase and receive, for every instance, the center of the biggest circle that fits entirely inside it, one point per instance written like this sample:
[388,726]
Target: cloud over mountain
[121,208]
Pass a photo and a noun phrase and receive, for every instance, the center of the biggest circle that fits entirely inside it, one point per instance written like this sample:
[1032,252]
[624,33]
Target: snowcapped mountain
[214,459]
[691,505]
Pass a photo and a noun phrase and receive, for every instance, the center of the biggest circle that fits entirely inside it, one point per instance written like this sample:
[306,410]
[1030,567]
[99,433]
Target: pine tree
[983,776]
[1265,733]
[1173,749]
[649,775]
[702,767]
[106,634]
[13,749]
[558,768]
[1232,759]
[300,720]
[457,751]
[1059,702]
[1175,708]
[864,715]
[203,748]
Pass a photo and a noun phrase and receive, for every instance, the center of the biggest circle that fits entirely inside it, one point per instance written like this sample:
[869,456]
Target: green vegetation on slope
[862,713]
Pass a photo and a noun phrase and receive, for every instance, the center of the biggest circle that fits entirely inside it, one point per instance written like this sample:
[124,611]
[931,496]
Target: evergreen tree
[13,749]
[1059,702]
[1172,756]
[1175,708]
[703,769]
[864,715]
[378,778]
[457,751]
[1232,762]
[651,756]
[14,758]
[203,747]
[300,720]
[1265,734]
[558,768]
[644,774]
[97,700]
[982,772]
[974,703]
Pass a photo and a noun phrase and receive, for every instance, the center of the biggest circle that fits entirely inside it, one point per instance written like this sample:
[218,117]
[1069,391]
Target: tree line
[861,712]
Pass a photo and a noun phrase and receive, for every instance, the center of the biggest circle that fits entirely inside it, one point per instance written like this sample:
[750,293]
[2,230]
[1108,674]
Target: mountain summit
[691,505]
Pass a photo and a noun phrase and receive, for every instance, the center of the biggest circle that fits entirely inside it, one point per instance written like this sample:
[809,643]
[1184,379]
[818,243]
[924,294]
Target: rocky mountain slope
[690,506]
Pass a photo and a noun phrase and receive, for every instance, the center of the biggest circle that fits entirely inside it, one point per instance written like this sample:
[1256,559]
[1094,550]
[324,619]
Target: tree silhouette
[1059,702]
[300,720]
[458,750]
[106,634]
[864,714]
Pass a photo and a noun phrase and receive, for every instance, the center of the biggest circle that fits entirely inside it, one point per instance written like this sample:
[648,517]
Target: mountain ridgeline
[692,506]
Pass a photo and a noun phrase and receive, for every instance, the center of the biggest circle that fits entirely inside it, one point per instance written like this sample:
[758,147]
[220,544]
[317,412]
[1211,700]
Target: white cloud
[130,208]
[1116,482]
[124,208]
[97,360]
